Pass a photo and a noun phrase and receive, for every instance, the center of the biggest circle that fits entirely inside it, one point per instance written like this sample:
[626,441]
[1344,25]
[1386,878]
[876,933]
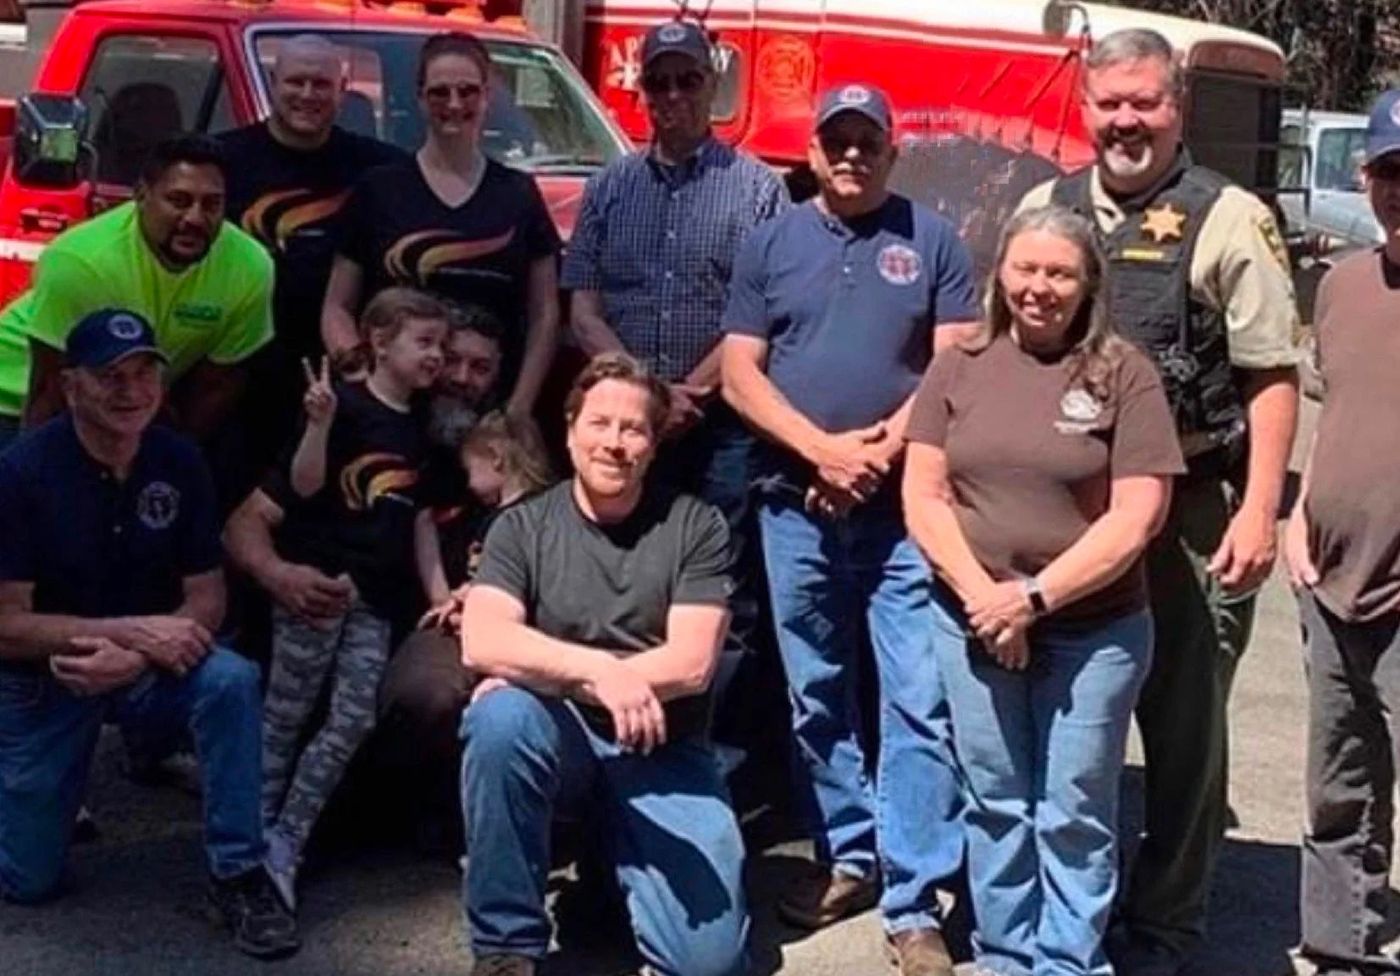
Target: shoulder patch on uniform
[1273,239]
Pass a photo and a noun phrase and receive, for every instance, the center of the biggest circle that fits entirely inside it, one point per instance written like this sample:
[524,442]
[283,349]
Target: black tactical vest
[1150,302]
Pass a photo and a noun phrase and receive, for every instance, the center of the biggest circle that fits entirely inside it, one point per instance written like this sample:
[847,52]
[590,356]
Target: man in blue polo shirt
[835,310]
[110,590]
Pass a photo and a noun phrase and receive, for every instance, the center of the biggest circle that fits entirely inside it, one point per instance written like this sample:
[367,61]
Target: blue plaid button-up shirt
[658,243]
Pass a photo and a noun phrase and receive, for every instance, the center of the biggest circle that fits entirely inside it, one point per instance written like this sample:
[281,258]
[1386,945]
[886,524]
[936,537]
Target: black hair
[191,148]
[454,42]
[476,318]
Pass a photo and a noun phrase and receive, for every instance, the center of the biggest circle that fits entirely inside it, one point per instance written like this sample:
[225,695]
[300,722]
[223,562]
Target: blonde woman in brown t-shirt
[1039,466]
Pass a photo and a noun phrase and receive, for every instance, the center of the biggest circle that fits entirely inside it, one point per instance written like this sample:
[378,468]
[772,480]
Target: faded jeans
[824,575]
[1042,754]
[47,739]
[664,820]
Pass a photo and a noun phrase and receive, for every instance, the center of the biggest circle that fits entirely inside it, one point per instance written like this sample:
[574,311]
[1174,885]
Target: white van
[1322,157]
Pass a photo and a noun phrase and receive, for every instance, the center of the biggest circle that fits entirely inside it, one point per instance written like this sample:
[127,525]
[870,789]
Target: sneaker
[499,964]
[919,952]
[282,864]
[249,908]
[826,896]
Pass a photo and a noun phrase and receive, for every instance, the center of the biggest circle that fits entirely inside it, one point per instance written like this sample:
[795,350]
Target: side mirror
[49,132]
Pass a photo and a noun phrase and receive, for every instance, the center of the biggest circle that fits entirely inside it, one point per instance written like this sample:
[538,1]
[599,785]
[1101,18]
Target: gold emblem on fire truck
[1164,223]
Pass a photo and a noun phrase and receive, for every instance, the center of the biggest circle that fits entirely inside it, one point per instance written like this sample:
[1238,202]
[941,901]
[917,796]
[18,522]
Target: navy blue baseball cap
[1383,131]
[865,99]
[677,37]
[103,337]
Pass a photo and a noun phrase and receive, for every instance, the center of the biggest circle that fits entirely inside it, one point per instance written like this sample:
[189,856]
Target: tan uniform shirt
[1240,268]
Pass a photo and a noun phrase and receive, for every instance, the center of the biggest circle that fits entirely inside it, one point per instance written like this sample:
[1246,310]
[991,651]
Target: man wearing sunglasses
[1343,552]
[835,311]
[649,266]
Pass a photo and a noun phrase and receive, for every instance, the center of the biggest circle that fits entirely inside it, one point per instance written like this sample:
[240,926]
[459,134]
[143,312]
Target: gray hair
[1137,44]
[1094,346]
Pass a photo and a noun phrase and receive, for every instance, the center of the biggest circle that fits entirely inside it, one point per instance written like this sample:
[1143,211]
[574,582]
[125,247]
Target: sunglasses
[835,145]
[687,83]
[442,93]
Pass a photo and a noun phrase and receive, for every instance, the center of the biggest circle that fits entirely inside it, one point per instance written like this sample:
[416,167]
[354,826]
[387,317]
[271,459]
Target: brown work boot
[499,964]
[919,952]
[824,896]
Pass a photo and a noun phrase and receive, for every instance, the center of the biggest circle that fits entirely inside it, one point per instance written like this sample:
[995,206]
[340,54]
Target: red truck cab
[142,71]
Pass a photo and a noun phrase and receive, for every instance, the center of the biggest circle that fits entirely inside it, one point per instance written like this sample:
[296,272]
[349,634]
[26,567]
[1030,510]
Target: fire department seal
[1080,406]
[124,327]
[899,265]
[670,34]
[158,505]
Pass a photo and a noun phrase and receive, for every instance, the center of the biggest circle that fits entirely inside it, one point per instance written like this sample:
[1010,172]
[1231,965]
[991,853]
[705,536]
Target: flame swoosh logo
[373,476]
[308,213]
[452,249]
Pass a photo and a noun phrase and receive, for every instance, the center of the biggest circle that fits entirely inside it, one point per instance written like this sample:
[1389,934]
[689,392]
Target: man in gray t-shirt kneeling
[598,613]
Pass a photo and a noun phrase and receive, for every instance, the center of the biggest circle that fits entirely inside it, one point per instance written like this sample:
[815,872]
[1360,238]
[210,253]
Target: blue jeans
[824,576]
[47,738]
[665,820]
[1042,755]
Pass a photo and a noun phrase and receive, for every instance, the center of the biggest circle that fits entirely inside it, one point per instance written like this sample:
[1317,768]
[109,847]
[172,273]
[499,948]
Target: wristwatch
[1034,596]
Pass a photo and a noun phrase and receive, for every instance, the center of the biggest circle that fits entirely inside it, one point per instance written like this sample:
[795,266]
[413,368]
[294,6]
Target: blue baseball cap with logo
[683,37]
[1383,130]
[108,335]
[864,99]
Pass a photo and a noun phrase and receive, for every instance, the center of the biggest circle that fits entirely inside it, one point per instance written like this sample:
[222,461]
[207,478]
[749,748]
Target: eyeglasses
[836,145]
[687,83]
[442,93]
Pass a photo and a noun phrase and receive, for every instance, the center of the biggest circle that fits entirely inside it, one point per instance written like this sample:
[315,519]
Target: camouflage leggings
[352,654]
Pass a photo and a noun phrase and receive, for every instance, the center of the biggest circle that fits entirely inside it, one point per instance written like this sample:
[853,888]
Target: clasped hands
[95,665]
[999,615]
[849,468]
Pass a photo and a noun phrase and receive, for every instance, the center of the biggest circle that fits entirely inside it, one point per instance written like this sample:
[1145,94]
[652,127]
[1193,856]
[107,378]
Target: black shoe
[249,908]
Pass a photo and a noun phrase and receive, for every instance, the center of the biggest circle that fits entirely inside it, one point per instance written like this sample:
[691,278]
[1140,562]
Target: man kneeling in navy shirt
[110,591]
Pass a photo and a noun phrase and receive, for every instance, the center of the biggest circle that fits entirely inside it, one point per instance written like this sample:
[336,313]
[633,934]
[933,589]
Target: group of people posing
[1044,512]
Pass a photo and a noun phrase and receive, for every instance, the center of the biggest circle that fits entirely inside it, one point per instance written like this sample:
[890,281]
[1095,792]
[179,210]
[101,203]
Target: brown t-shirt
[1353,500]
[1031,456]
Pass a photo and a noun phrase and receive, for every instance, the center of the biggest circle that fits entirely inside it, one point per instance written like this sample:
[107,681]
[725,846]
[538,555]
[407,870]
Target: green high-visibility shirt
[219,308]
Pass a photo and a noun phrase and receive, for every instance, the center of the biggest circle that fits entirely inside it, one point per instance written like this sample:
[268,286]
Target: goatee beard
[449,420]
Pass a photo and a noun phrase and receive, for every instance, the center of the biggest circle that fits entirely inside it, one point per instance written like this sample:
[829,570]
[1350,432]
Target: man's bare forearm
[1271,402]
[29,636]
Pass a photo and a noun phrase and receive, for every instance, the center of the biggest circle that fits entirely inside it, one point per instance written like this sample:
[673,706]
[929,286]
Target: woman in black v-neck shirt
[454,223]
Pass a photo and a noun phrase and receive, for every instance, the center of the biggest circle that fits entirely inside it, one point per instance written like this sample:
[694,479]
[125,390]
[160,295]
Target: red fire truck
[113,77]
[985,94]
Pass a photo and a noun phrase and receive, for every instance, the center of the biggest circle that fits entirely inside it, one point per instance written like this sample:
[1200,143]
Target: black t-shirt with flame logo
[293,201]
[401,233]
[361,521]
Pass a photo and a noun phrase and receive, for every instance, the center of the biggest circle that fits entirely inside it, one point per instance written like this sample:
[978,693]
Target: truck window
[1290,156]
[143,88]
[1339,156]
[538,120]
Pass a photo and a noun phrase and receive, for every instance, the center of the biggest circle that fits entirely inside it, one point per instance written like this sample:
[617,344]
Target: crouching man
[598,613]
[110,590]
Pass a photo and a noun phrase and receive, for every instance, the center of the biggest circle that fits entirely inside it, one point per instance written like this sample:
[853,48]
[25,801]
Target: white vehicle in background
[1321,156]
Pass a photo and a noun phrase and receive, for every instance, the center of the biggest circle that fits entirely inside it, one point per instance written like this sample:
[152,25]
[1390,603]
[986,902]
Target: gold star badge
[1164,223]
